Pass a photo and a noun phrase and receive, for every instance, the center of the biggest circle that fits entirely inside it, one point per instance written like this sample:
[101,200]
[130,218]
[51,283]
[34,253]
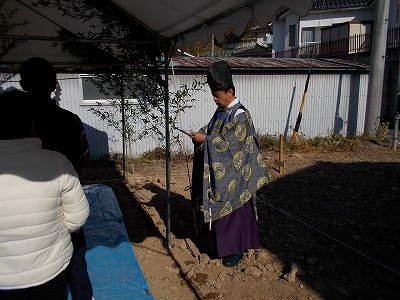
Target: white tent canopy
[201,18]
[165,21]
[179,20]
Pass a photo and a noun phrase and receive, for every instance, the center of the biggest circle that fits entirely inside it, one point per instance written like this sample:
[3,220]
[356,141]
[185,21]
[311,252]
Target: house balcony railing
[354,44]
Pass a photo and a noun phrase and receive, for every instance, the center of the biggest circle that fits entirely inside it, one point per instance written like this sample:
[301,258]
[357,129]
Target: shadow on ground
[136,220]
[181,213]
[339,222]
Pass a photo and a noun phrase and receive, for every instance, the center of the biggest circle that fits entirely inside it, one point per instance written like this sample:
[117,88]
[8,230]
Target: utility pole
[377,67]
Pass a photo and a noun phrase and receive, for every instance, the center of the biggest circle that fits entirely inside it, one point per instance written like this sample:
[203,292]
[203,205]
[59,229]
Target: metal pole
[377,67]
[300,115]
[212,45]
[123,124]
[395,130]
[167,151]
[396,106]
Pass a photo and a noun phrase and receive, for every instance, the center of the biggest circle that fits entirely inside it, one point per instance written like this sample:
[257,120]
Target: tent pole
[123,125]
[167,150]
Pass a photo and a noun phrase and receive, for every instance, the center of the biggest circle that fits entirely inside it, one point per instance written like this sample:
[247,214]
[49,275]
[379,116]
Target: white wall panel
[334,103]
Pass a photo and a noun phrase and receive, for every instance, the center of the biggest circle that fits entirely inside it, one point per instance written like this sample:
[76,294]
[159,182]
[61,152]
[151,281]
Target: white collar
[236,101]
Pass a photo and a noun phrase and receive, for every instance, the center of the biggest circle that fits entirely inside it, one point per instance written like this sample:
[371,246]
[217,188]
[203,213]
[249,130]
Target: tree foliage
[138,111]
[124,61]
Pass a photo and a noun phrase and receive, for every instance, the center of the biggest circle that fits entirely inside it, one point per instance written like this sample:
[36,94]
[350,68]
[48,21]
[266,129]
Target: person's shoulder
[55,156]
[52,155]
[64,111]
[54,164]
[66,114]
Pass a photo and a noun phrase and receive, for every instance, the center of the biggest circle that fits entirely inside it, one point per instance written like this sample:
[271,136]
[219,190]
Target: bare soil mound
[329,228]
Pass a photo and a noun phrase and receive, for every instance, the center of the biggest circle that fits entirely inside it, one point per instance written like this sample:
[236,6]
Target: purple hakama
[236,232]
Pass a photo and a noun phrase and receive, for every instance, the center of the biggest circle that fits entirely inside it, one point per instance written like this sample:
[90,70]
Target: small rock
[187,266]
[268,267]
[230,272]
[210,283]
[201,278]
[189,262]
[204,259]
[263,256]
[217,263]
[212,296]
[295,267]
[174,268]
[253,271]
[217,285]
[290,277]
[181,244]
[190,273]
[251,253]
[222,275]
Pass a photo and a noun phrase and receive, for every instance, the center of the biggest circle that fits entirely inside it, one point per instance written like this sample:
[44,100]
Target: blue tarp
[112,265]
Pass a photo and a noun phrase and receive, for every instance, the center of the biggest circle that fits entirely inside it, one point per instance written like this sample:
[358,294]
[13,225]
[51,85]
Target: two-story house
[341,29]
[327,21]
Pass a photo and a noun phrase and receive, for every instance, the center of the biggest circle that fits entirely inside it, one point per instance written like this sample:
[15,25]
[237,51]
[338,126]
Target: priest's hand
[198,137]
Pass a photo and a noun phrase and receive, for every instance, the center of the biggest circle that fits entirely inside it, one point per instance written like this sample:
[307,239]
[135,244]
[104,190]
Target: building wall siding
[335,103]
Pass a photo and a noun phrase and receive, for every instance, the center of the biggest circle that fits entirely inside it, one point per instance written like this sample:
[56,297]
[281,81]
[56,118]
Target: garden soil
[329,227]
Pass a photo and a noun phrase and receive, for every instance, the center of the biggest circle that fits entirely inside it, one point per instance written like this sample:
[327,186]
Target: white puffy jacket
[41,202]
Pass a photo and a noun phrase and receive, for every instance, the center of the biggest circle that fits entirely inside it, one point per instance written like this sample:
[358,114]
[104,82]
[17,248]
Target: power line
[330,237]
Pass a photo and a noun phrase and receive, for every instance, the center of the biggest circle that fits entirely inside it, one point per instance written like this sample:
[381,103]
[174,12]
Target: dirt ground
[329,228]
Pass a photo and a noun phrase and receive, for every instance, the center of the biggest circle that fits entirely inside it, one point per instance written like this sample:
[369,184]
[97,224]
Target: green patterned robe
[233,166]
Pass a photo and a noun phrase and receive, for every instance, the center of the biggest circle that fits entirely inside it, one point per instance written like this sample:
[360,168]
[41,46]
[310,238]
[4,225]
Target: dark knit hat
[219,76]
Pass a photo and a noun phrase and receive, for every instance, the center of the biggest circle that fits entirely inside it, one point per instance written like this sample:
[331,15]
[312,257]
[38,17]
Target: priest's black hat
[219,76]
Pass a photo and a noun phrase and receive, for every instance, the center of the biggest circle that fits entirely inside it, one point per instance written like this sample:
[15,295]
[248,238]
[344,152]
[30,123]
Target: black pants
[55,289]
[79,281]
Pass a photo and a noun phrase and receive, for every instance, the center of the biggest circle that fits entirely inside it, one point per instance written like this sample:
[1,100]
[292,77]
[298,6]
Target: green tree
[125,60]
[131,97]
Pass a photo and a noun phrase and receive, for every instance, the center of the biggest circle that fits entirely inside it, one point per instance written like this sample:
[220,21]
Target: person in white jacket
[41,202]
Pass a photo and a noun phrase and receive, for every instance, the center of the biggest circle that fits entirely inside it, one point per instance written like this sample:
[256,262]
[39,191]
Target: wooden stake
[280,163]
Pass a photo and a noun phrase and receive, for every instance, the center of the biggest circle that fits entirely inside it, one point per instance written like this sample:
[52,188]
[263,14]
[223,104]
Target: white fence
[335,103]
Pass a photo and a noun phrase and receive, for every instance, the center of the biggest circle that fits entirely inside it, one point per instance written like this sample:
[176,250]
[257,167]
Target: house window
[292,35]
[92,95]
[308,35]
[90,91]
